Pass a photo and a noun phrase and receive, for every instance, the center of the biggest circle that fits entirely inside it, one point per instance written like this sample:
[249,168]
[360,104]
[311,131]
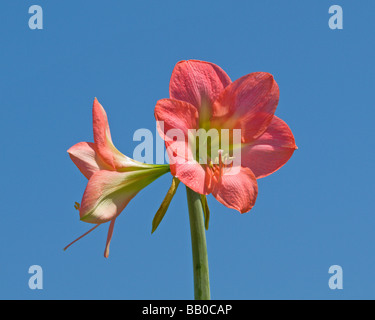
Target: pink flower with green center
[202,96]
[114,179]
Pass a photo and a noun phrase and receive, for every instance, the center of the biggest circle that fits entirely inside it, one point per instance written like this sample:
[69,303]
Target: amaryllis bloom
[202,96]
[114,179]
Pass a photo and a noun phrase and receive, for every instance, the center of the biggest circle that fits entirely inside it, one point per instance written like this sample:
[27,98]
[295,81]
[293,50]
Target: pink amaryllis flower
[114,179]
[202,96]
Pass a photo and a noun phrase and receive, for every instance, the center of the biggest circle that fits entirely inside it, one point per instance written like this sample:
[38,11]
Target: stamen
[81,236]
[77,206]
[220,163]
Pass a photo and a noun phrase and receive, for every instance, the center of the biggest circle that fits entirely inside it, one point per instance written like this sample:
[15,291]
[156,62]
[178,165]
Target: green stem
[199,248]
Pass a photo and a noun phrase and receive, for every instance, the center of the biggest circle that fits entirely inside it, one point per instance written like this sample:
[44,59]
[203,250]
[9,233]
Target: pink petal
[108,192]
[237,191]
[85,157]
[271,150]
[249,103]
[174,114]
[182,116]
[184,167]
[196,176]
[103,142]
[102,134]
[197,82]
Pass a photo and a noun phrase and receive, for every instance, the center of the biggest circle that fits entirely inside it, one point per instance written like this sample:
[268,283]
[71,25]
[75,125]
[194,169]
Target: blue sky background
[315,212]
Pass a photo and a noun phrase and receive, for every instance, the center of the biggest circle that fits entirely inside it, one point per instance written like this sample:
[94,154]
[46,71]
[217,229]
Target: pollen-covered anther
[77,206]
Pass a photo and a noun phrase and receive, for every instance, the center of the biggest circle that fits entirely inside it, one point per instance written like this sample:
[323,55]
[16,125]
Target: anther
[77,206]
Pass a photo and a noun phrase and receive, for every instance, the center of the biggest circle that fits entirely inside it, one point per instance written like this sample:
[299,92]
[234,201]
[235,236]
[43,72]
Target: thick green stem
[199,248]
